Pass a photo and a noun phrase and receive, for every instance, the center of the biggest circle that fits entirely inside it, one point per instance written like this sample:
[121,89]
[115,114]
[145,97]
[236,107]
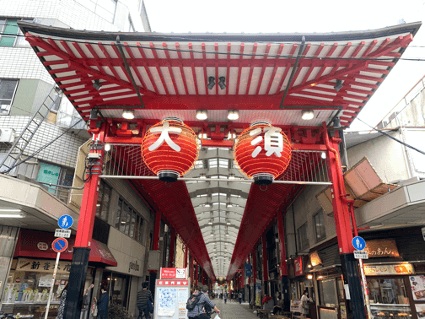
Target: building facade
[123,231]
[386,180]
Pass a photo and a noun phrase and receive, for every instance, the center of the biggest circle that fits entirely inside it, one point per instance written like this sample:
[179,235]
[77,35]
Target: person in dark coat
[61,308]
[102,305]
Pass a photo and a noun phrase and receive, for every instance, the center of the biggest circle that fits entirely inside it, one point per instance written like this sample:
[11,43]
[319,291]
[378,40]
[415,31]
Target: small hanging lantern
[262,152]
[170,149]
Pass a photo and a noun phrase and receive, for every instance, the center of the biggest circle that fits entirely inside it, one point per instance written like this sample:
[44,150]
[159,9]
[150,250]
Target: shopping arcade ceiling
[160,75]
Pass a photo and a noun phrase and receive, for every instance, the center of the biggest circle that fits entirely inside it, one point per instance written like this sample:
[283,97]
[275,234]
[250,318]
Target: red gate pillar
[283,266]
[343,228]
[155,247]
[196,274]
[254,274]
[191,270]
[172,248]
[265,266]
[185,256]
[80,256]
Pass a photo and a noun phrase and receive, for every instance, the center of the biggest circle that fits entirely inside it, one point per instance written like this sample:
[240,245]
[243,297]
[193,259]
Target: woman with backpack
[196,303]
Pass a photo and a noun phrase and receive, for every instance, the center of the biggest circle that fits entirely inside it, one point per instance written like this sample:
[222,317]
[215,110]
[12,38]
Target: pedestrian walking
[61,308]
[225,297]
[143,297]
[196,303]
[240,298]
[103,305]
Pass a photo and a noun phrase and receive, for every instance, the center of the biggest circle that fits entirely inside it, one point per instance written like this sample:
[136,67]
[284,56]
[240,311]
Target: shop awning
[38,244]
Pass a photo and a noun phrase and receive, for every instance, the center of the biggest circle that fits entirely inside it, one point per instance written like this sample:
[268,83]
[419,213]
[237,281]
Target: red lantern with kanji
[170,149]
[263,152]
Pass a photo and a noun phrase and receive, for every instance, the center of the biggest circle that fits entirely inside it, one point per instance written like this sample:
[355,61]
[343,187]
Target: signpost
[59,245]
[361,254]
[359,244]
[63,233]
[65,221]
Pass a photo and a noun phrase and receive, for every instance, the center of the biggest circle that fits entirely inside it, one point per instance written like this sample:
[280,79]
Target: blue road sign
[59,245]
[358,243]
[65,221]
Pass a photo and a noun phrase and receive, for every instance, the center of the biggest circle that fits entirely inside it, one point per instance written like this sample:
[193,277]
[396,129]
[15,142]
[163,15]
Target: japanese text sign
[42,265]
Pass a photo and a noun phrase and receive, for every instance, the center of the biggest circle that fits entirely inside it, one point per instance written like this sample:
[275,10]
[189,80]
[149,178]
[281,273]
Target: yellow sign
[382,270]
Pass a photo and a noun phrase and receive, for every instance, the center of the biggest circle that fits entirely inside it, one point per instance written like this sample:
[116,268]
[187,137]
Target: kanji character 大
[165,137]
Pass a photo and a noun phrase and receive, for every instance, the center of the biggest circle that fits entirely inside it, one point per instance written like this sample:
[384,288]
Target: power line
[390,59]
[388,135]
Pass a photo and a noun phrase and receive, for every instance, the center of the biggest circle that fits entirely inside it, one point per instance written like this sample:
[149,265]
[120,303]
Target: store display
[417,283]
[27,290]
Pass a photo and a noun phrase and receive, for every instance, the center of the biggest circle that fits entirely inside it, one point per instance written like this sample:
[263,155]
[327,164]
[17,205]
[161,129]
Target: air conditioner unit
[7,135]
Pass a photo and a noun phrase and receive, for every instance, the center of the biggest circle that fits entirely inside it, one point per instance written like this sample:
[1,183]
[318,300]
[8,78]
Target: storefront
[395,274]
[29,279]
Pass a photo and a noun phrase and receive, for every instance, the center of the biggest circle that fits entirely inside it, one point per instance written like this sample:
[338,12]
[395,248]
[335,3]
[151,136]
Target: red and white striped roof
[171,71]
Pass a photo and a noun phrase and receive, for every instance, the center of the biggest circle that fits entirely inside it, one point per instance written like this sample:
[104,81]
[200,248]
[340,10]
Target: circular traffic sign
[358,243]
[65,221]
[59,245]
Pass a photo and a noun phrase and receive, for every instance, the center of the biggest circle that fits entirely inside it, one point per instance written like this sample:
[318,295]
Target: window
[199,164]
[303,237]
[102,205]
[224,163]
[213,163]
[10,34]
[7,93]
[319,226]
[128,221]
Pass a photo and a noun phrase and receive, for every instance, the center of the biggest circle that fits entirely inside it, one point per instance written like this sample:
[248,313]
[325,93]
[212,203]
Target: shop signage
[173,273]
[42,246]
[315,259]
[173,282]
[295,305]
[360,254]
[134,266]
[42,265]
[298,265]
[382,270]
[381,248]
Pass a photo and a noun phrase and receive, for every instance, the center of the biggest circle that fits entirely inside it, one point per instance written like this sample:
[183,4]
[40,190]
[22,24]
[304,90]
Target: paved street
[233,310]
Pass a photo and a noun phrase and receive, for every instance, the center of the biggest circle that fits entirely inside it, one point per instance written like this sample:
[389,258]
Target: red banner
[173,273]
[298,265]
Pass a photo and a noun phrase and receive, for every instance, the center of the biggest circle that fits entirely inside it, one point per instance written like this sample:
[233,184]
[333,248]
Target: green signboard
[49,174]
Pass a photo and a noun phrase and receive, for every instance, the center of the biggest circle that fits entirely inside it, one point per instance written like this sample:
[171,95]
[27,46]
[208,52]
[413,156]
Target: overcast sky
[268,16]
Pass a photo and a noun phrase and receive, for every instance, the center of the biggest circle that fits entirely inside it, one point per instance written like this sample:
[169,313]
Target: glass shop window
[387,291]
[328,293]
[388,298]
